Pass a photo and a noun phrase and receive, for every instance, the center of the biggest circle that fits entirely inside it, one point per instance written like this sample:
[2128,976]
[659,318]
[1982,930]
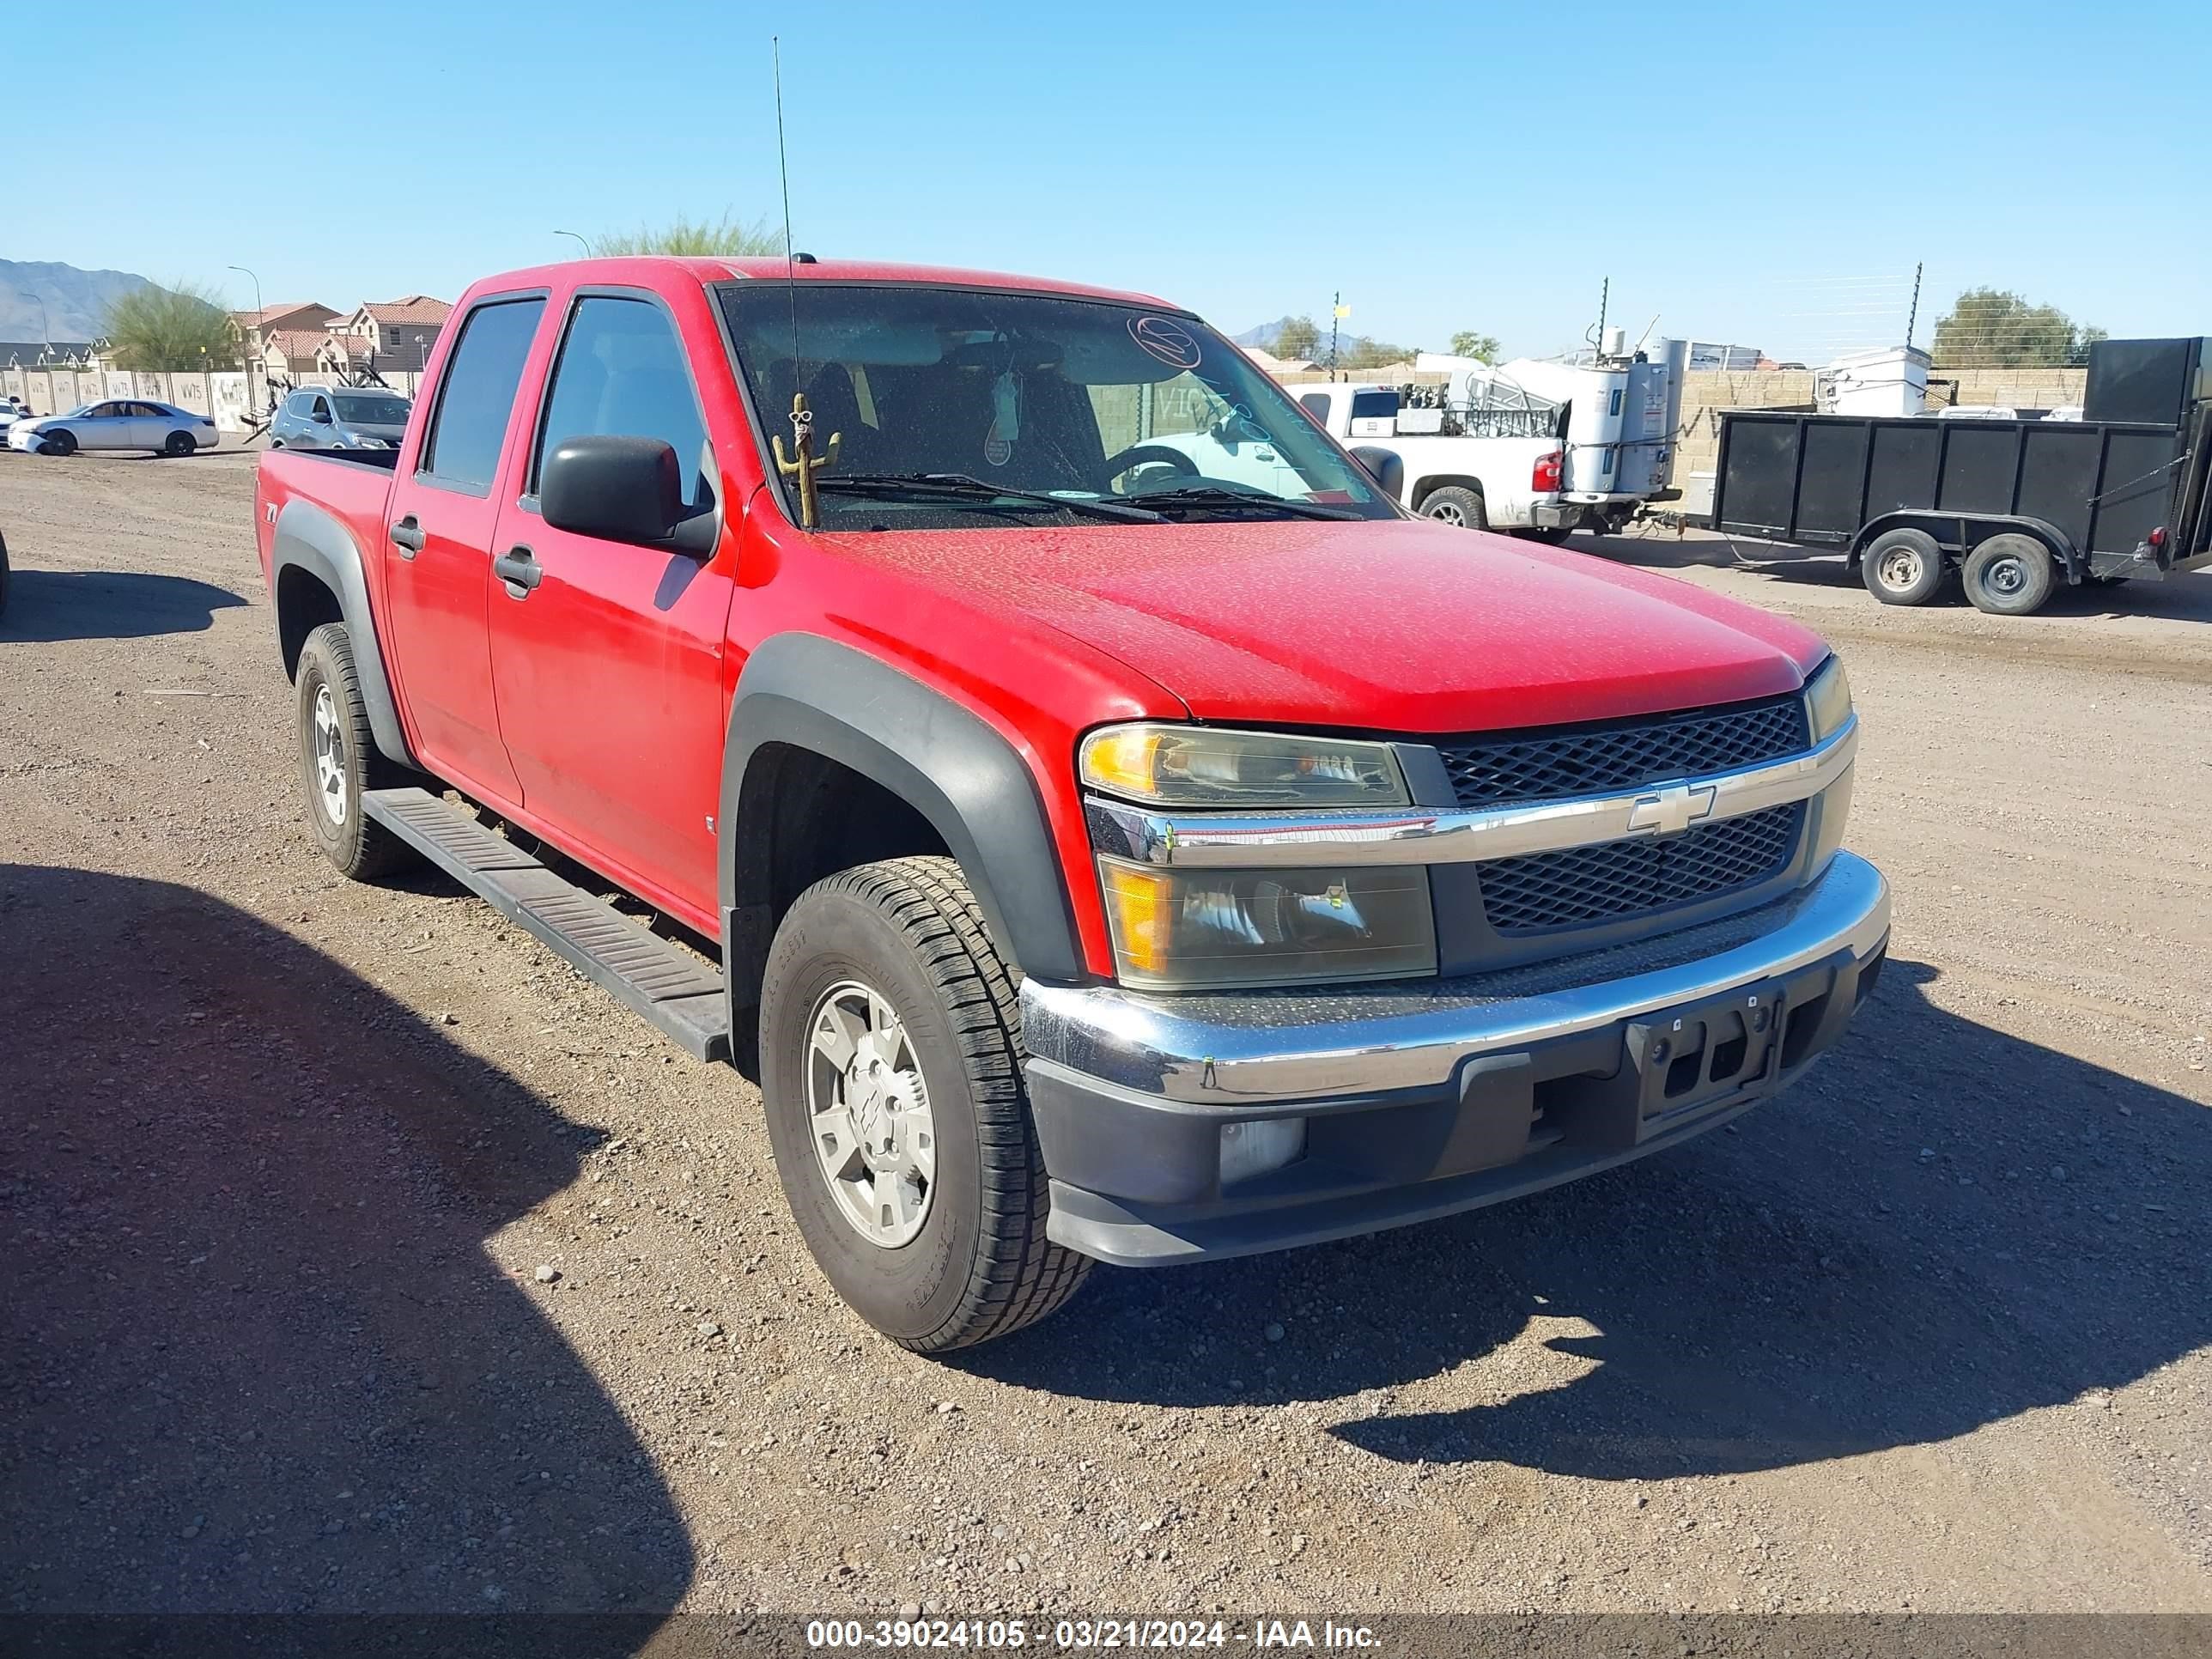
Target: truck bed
[356,494]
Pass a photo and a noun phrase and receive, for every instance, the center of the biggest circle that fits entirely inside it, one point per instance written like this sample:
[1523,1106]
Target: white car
[117,424]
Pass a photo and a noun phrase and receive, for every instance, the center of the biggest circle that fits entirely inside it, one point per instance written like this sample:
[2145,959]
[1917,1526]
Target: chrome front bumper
[1404,1088]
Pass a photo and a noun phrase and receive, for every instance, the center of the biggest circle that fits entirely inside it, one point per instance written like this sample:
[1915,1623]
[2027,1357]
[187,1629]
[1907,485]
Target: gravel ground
[361,1257]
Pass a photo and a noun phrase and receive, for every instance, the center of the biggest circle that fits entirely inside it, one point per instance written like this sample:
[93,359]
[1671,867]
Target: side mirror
[320,417]
[1385,466]
[622,489]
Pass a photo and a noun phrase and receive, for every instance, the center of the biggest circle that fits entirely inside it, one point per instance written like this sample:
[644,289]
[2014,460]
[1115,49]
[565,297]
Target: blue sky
[1767,174]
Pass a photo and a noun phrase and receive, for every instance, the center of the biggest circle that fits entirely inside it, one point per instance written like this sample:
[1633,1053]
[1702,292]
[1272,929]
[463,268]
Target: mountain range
[1347,345]
[76,301]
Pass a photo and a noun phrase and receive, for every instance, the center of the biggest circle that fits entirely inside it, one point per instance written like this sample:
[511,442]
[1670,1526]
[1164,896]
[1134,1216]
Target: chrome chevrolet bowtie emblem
[1671,811]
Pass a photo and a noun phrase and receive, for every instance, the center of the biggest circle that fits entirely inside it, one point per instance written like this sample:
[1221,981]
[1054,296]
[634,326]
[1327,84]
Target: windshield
[1083,400]
[372,411]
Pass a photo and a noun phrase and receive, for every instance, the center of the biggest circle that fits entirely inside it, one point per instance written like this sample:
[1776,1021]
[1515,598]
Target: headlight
[1827,707]
[1196,766]
[1191,929]
[1828,701]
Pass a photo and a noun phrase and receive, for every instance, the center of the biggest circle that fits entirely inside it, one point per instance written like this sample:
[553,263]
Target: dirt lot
[284,1158]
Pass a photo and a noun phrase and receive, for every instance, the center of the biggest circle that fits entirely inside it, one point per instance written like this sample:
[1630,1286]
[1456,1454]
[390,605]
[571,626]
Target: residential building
[400,332]
[253,329]
[38,354]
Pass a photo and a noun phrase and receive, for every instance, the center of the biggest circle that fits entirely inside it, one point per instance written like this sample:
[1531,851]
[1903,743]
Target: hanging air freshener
[1006,420]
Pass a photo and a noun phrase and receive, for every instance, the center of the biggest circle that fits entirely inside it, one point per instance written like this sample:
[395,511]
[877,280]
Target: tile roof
[298,343]
[277,313]
[411,309]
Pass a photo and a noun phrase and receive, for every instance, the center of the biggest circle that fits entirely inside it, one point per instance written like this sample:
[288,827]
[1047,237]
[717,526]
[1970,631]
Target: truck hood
[1383,625]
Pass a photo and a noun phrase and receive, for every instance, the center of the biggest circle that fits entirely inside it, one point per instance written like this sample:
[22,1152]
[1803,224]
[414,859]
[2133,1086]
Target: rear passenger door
[609,665]
[436,554]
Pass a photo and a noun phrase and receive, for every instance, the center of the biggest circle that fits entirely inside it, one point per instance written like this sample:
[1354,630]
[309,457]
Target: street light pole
[579,241]
[257,307]
[45,328]
[260,319]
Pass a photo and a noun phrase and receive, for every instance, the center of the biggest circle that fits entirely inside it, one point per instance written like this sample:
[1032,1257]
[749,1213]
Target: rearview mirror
[622,489]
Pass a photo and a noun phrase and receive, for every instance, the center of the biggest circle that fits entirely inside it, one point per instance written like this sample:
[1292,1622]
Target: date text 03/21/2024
[997,1635]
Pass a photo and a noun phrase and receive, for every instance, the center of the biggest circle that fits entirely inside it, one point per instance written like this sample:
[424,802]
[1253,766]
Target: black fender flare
[940,758]
[309,538]
[1960,532]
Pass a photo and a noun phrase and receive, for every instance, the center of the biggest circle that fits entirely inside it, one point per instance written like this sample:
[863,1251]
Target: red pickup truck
[1108,827]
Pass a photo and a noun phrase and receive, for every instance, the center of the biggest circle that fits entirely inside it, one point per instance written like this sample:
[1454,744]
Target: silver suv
[340,417]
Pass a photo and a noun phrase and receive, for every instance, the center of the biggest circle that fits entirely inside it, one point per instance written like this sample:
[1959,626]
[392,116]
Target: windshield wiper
[1205,495]
[960,486]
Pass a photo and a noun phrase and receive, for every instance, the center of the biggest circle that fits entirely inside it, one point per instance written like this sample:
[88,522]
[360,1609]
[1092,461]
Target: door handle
[519,568]
[407,536]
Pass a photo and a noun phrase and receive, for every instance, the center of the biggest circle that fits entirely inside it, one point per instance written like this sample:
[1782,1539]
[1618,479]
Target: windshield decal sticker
[1166,339]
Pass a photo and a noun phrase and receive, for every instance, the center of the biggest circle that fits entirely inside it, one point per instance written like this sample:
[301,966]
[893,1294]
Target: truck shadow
[45,606]
[1941,1227]
[256,1359]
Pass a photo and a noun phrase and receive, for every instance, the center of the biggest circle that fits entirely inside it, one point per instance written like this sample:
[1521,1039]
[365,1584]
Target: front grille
[1619,878]
[1590,760]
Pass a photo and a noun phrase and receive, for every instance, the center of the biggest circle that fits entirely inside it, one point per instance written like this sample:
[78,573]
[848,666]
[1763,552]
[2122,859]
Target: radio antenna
[801,464]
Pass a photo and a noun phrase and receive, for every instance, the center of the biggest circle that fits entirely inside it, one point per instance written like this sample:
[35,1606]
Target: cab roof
[637,268]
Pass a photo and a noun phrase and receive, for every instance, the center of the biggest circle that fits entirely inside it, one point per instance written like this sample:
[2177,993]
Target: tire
[61,443]
[2010,575]
[177,444]
[1551,535]
[338,728]
[1455,505]
[4,577]
[968,1260]
[1902,567]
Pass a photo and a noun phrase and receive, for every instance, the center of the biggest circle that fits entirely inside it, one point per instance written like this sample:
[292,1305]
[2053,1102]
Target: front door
[609,668]
[437,551]
[109,426]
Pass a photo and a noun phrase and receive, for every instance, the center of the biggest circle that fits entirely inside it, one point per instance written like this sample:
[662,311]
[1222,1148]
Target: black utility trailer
[2018,506]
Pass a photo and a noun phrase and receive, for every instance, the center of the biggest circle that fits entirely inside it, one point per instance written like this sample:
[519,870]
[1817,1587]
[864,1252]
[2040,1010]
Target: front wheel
[61,443]
[2010,575]
[891,1068]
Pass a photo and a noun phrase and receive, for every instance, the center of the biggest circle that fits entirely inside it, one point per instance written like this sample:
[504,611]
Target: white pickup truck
[1483,483]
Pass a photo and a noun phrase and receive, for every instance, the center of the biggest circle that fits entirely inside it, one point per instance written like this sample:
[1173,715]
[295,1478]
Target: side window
[622,374]
[296,404]
[319,409]
[477,395]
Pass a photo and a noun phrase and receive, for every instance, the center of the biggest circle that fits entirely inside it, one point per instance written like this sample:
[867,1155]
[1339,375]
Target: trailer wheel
[2010,575]
[1450,504]
[1902,567]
